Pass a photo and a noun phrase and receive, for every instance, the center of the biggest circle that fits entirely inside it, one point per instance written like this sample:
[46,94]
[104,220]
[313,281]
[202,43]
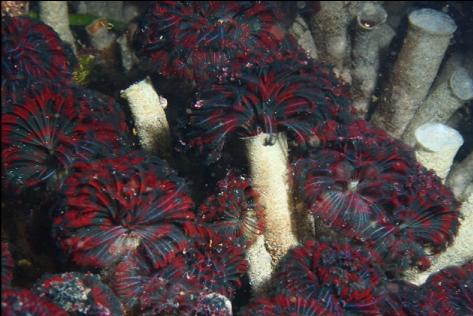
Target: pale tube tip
[433,21]
[437,137]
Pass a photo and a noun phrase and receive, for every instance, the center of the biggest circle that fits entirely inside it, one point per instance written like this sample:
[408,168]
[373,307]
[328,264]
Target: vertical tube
[437,144]
[260,266]
[427,39]
[461,176]
[330,30]
[304,38]
[444,100]
[151,123]
[371,36]
[270,176]
[55,14]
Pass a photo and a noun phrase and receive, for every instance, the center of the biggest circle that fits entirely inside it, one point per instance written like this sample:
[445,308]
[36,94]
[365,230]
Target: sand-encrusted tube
[270,176]
[55,14]
[301,32]
[122,11]
[427,39]
[436,146]
[109,9]
[128,59]
[460,252]
[259,266]
[147,108]
[452,63]
[371,37]
[440,105]
[461,176]
[330,30]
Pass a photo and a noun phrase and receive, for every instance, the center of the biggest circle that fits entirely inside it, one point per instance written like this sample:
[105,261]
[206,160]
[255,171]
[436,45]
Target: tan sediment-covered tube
[460,252]
[127,57]
[329,27]
[270,178]
[147,108]
[372,35]
[440,105]
[427,39]
[55,14]
[461,177]
[304,38]
[436,146]
[260,266]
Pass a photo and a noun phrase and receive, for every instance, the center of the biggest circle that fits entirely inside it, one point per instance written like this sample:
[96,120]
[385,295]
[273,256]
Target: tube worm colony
[263,103]
[128,215]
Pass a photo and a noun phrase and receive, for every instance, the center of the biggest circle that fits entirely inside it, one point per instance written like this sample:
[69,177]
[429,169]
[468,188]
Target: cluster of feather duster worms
[143,244]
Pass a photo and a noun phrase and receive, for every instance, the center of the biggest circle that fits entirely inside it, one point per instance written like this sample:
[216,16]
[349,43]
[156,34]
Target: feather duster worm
[133,278]
[41,138]
[7,265]
[113,207]
[341,277]
[233,212]
[372,189]
[79,294]
[197,40]
[103,116]
[290,97]
[31,51]
[285,305]
[218,265]
[18,302]
[401,299]
[195,282]
[450,291]
[50,127]
[423,220]
[347,183]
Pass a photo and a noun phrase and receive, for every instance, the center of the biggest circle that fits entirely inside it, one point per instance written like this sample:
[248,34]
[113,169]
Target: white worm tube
[151,123]
[437,144]
[427,39]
